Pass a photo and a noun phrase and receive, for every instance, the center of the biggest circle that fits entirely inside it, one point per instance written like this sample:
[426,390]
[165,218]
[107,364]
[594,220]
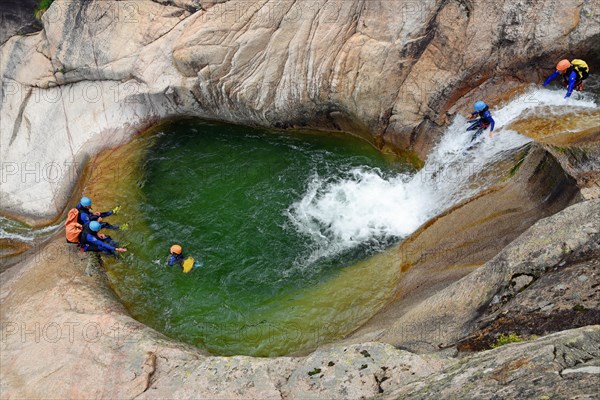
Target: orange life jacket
[72,227]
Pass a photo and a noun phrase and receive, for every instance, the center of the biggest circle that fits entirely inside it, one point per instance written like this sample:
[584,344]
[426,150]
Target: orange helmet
[176,249]
[563,65]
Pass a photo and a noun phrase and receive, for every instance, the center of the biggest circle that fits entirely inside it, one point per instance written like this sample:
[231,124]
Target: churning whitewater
[367,207]
[13,230]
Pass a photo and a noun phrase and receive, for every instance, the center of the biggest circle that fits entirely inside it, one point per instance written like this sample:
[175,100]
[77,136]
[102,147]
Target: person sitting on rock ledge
[573,73]
[484,121]
[86,215]
[91,240]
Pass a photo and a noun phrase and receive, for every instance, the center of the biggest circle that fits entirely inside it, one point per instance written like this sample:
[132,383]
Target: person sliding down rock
[573,73]
[91,240]
[86,215]
[484,121]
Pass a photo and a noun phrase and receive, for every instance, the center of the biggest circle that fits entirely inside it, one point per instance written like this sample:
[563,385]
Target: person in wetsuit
[86,215]
[175,255]
[91,240]
[484,121]
[573,73]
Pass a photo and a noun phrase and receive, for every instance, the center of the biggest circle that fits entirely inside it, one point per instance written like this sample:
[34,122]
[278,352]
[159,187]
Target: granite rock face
[459,310]
[100,71]
[562,365]
[388,70]
[17,17]
[358,371]
[65,335]
[461,240]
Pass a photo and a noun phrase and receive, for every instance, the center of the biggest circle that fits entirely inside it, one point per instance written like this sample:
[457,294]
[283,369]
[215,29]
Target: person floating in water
[91,240]
[484,121]
[176,257]
[86,215]
[573,73]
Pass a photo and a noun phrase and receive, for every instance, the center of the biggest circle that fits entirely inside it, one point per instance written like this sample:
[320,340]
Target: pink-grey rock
[385,70]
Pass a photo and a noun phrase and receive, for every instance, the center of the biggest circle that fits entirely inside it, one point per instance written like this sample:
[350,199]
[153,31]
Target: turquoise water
[224,193]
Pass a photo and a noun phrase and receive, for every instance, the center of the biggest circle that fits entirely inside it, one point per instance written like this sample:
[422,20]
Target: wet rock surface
[12,247]
[575,145]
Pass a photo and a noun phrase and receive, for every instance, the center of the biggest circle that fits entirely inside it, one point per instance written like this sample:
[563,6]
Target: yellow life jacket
[581,68]
[188,264]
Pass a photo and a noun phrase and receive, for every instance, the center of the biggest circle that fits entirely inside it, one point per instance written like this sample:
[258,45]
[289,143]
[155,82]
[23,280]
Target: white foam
[12,230]
[367,207]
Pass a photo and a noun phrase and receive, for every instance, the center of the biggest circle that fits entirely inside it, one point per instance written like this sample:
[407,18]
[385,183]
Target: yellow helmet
[176,249]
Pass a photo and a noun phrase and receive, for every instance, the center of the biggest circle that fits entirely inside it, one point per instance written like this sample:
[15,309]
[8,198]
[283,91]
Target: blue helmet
[86,201]
[95,226]
[479,105]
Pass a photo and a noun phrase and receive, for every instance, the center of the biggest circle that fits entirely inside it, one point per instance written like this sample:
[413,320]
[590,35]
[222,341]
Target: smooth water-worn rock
[461,240]
[582,161]
[453,313]
[358,371]
[387,70]
[566,296]
[65,335]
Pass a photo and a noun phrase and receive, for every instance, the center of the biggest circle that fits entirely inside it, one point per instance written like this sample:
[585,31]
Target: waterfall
[369,208]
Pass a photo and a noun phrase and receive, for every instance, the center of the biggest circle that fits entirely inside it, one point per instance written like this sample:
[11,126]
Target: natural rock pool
[274,280]
[292,229]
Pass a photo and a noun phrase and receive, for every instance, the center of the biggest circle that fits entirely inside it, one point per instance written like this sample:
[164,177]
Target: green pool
[230,196]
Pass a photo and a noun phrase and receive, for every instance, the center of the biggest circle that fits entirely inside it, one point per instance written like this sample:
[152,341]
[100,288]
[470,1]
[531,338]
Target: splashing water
[369,207]
[13,230]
